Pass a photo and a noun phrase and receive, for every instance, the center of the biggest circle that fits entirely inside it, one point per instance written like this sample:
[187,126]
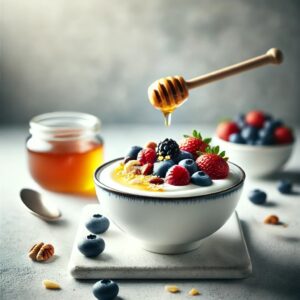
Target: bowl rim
[143,197]
[247,147]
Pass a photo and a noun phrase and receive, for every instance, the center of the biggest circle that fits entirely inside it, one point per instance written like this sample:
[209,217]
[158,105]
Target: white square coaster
[221,255]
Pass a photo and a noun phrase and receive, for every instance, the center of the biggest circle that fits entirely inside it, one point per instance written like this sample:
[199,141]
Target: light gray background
[100,56]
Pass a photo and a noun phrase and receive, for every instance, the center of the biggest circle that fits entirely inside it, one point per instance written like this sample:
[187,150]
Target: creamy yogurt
[171,191]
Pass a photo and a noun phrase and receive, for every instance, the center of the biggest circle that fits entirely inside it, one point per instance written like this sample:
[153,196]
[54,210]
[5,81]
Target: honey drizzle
[167,116]
[129,179]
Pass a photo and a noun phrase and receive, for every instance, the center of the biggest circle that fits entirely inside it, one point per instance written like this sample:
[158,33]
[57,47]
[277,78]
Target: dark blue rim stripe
[140,197]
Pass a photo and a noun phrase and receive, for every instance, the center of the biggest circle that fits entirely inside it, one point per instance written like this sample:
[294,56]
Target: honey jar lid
[64,125]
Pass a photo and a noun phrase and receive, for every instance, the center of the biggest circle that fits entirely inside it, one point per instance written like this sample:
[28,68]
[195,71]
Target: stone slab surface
[222,255]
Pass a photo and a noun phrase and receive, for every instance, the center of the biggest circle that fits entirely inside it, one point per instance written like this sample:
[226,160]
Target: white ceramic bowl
[257,161]
[168,225]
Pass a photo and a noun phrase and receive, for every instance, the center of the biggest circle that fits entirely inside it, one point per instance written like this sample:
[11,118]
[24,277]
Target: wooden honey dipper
[166,94]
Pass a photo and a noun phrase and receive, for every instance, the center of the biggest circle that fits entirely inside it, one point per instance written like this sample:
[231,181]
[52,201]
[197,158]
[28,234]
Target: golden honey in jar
[64,149]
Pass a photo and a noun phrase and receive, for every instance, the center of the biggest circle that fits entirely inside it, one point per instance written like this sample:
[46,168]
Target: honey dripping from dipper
[167,94]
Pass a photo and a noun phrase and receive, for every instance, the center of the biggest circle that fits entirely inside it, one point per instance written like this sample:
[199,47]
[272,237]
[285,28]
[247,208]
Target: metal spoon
[39,206]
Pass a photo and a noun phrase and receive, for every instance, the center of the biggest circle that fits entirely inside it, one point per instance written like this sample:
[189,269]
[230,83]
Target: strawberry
[283,135]
[225,129]
[147,155]
[194,144]
[255,118]
[178,175]
[213,164]
[147,169]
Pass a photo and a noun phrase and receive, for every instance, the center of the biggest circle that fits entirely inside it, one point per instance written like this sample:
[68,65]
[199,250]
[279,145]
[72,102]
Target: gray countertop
[274,250]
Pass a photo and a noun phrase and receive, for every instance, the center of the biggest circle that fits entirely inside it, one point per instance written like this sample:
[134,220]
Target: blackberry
[167,149]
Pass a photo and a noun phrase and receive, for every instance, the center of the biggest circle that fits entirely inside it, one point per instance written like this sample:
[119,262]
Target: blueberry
[260,142]
[190,165]
[160,168]
[264,142]
[97,224]
[251,142]
[240,120]
[200,178]
[268,117]
[184,155]
[133,152]
[105,289]
[265,137]
[285,186]
[91,246]
[236,138]
[257,196]
[272,124]
[249,133]
[265,132]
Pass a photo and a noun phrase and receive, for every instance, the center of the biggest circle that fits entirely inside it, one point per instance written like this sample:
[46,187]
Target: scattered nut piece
[130,166]
[156,180]
[35,250]
[272,219]
[194,292]
[137,171]
[151,145]
[51,285]
[41,252]
[45,253]
[172,289]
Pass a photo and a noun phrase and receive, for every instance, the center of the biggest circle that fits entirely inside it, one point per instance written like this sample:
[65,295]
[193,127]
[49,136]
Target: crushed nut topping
[130,176]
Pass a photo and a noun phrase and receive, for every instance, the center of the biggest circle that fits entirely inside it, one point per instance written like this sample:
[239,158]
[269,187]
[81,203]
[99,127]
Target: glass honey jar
[64,149]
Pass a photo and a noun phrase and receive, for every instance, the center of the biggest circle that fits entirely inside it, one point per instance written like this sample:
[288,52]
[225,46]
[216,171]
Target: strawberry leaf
[222,154]
[207,140]
[208,149]
[217,149]
[195,134]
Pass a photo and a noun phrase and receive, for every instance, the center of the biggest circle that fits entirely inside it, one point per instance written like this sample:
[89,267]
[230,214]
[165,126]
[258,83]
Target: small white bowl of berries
[257,142]
[169,196]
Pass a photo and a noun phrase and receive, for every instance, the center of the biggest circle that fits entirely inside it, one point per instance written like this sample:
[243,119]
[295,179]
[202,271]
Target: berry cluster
[190,161]
[255,128]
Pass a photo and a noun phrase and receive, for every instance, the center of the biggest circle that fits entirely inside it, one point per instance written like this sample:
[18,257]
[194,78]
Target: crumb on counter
[194,292]
[272,219]
[51,285]
[172,289]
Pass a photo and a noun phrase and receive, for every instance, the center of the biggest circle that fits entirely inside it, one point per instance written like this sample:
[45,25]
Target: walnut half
[41,252]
